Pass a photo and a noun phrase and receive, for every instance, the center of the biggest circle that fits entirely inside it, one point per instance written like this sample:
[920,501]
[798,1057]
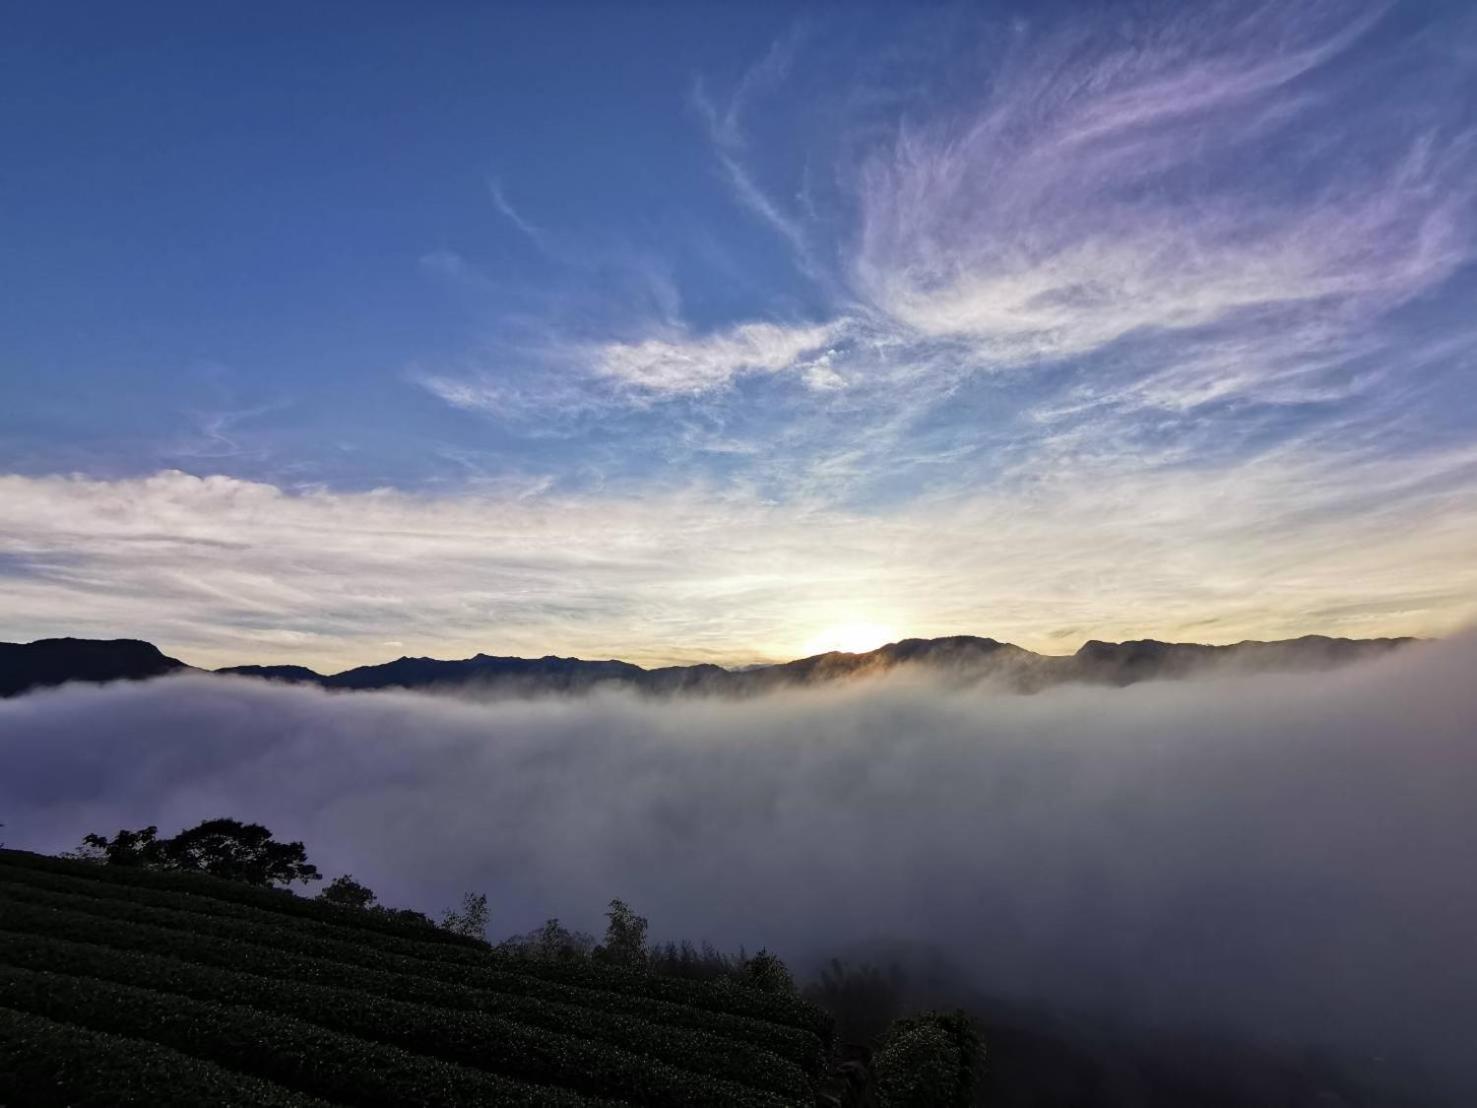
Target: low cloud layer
[1289,856]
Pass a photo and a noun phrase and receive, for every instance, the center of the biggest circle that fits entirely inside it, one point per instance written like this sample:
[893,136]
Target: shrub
[467,1037]
[287,1051]
[552,942]
[204,893]
[863,1000]
[346,928]
[348,892]
[625,938]
[44,1064]
[928,1061]
[470,921]
[274,950]
[768,974]
[688,962]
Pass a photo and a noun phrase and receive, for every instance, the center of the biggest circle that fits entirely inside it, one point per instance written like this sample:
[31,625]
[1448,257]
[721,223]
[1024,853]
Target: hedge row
[113,917]
[699,1051]
[771,1008]
[344,923]
[722,996]
[277,1048]
[467,1037]
[44,1064]
[280,901]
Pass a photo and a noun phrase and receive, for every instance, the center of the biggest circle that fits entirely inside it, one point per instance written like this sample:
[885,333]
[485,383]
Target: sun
[852,638]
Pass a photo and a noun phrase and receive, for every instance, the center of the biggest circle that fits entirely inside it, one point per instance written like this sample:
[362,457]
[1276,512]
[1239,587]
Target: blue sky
[690,332]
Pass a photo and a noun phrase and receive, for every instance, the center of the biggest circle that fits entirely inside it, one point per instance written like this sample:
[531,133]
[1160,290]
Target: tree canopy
[225,848]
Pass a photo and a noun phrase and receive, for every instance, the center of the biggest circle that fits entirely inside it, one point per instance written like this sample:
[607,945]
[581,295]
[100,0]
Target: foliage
[224,848]
[461,961]
[625,938]
[462,1004]
[552,942]
[768,974]
[470,921]
[468,1037]
[127,848]
[690,963]
[713,1042]
[928,1061]
[348,892]
[44,1064]
[862,999]
[193,889]
[290,1052]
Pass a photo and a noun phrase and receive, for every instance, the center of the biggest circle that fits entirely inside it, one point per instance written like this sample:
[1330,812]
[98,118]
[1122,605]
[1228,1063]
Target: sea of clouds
[1289,854]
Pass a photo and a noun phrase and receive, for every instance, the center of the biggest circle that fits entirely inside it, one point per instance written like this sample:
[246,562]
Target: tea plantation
[129,986]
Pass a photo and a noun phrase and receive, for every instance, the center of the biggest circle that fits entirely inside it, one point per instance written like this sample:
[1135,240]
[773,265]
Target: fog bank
[1288,854]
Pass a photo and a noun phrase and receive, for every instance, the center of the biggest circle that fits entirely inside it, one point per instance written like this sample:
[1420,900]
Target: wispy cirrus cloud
[678,363]
[1120,270]
[1166,184]
[1215,199]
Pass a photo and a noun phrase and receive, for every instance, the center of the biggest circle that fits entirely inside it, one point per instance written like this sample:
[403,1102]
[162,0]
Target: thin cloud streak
[677,363]
[1147,225]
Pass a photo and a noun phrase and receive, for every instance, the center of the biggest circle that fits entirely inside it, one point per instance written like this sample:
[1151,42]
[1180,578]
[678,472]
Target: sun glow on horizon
[850,638]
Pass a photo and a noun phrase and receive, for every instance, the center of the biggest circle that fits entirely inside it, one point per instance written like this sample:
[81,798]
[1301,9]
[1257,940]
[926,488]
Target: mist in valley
[1285,858]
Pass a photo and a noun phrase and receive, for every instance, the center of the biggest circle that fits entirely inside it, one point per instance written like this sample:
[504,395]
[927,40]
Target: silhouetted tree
[240,851]
[471,920]
[767,973]
[345,890]
[126,848]
[224,848]
[928,1061]
[553,942]
[625,938]
[862,999]
[685,960]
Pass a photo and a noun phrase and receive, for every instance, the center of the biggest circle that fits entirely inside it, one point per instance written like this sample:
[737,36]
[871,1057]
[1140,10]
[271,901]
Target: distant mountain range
[961,659]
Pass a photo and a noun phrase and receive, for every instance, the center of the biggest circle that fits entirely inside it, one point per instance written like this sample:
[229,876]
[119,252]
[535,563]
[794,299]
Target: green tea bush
[284,952]
[927,1061]
[277,1048]
[44,1064]
[413,941]
[467,1037]
[410,925]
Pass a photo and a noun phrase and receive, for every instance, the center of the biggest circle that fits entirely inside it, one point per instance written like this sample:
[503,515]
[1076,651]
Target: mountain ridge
[958,658]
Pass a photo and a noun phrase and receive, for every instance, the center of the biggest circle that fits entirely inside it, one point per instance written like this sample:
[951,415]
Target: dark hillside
[48,662]
[273,998]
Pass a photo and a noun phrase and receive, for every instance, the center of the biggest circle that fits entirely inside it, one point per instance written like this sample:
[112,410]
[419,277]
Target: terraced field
[123,986]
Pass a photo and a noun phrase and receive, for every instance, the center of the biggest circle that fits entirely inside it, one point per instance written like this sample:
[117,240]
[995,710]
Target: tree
[553,942]
[240,851]
[345,890]
[928,1061]
[625,937]
[224,848]
[471,920]
[767,973]
[126,848]
[862,999]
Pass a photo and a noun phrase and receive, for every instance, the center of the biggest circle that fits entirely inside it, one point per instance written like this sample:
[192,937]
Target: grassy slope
[178,986]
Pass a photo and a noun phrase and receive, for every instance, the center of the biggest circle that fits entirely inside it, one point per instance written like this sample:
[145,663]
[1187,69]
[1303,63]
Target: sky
[694,333]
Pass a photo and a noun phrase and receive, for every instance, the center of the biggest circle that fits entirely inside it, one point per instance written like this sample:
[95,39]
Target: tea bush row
[277,1048]
[467,1037]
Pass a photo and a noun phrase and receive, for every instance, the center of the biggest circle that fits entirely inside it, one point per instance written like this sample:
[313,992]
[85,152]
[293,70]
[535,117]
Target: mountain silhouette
[46,662]
[961,659]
